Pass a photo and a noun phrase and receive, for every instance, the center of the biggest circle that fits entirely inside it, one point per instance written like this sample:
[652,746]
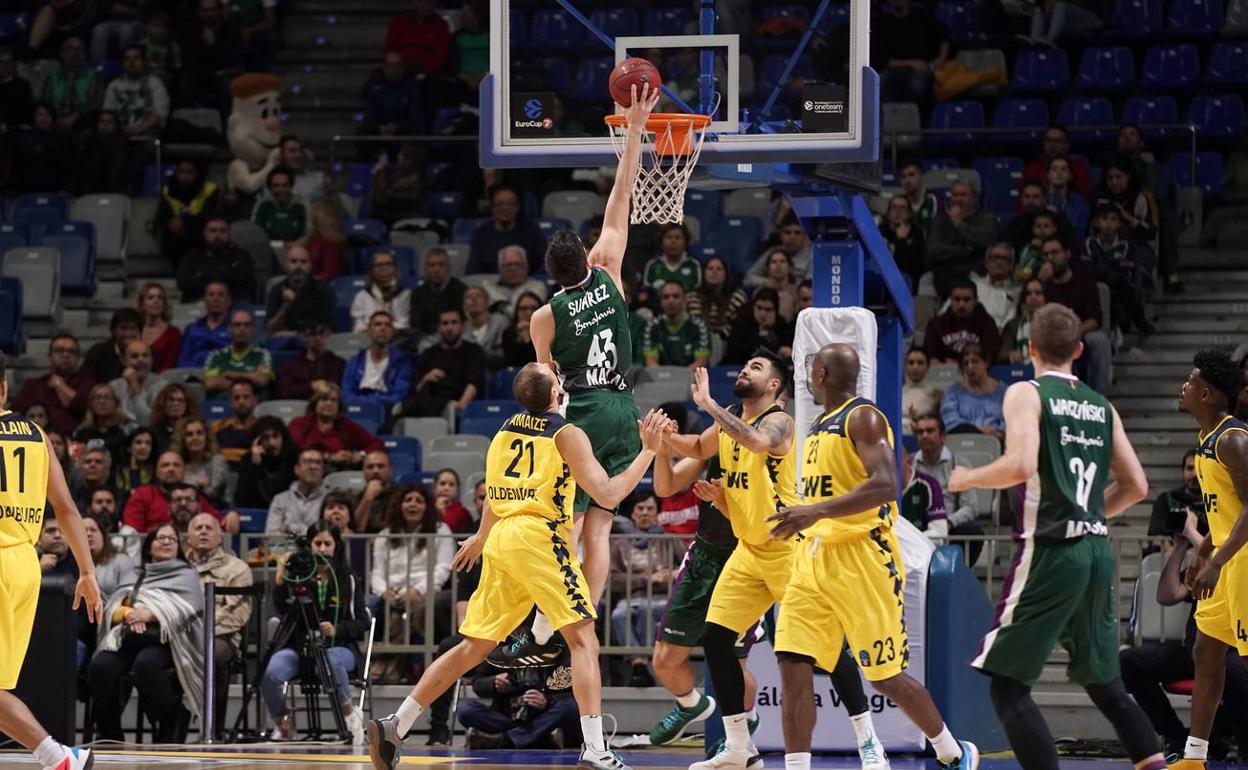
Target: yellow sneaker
[1187,764]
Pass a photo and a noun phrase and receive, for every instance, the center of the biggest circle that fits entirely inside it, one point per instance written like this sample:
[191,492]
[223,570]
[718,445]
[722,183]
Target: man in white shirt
[292,511]
[513,280]
[137,386]
[997,289]
[138,97]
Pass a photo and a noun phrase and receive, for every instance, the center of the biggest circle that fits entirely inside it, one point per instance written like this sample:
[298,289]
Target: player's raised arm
[701,446]
[1022,445]
[577,452]
[608,252]
[70,521]
[671,477]
[1130,485]
[542,332]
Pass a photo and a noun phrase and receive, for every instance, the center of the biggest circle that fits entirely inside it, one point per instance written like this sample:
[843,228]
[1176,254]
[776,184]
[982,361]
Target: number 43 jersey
[524,473]
[23,480]
[1066,496]
[593,344]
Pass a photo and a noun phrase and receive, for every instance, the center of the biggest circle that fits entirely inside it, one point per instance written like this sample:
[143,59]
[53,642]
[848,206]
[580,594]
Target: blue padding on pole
[958,616]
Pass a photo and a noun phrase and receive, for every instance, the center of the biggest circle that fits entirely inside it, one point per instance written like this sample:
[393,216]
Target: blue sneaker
[678,719]
[968,761]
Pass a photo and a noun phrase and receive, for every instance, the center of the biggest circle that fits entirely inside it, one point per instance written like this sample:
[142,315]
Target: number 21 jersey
[524,472]
[23,480]
[593,344]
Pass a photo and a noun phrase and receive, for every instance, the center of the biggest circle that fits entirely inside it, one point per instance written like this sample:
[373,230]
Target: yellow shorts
[20,577]
[851,589]
[1224,616]
[527,560]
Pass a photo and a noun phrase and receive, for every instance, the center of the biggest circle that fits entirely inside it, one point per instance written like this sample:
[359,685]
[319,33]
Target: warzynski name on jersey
[1078,410]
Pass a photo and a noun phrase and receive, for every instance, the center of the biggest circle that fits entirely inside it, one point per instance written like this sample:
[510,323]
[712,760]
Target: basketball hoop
[675,141]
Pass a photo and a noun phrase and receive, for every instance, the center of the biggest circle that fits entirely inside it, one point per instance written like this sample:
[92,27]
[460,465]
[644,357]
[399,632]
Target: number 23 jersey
[23,480]
[524,472]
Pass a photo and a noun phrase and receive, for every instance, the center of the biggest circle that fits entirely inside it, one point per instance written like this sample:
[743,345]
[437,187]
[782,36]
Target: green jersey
[678,345]
[1066,496]
[593,343]
[687,273]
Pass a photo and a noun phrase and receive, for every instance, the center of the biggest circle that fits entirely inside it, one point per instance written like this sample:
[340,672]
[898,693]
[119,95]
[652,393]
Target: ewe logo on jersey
[737,480]
[817,486]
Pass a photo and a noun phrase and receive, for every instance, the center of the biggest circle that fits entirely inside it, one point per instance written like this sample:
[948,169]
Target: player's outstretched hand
[700,390]
[640,109]
[959,479]
[468,553]
[790,521]
[88,592]
[652,427]
[712,492]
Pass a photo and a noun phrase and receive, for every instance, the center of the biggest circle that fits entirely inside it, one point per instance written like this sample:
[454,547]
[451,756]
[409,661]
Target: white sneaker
[75,759]
[600,760]
[732,759]
[871,752]
[355,726]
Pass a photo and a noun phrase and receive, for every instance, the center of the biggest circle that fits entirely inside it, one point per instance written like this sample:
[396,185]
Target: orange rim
[673,131]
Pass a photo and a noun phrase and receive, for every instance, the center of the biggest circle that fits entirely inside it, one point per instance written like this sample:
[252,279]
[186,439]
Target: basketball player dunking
[29,476]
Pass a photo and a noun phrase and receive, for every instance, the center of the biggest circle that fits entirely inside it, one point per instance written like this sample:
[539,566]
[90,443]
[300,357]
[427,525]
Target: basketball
[629,73]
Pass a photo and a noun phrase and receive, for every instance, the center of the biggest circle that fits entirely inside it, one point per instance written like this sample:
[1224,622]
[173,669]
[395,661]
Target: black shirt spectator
[211,46]
[906,43]
[452,371]
[218,260]
[299,299]
[41,156]
[762,327]
[1169,516]
[105,360]
[1071,287]
[507,227]
[295,378]
[959,236]
[1032,201]
[392,99]
[186,202]
[104,165]
[17,102]
[440,291]
[905,238]
[268,467]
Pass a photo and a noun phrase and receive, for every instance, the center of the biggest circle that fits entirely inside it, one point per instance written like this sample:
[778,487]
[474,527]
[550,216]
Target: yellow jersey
[23,480]
[756,485]
[831,467]
[1222,504]
[524,473]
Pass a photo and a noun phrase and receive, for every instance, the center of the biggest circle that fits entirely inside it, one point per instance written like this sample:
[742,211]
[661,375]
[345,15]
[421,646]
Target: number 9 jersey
[524,472]
[23,480]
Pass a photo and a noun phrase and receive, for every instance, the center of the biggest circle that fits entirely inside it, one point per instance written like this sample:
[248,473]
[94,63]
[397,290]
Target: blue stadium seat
[11,315]
[1106,69]
[929,164]
[153,180]
[46,204]
[374,413]
[722,379]
[1040,70]
[1087,119]
[13,25]
[107,69]
[1012,373]
[835,17]
[1170,67]
[404,259]
[616,22]
[446,205]
[1217,116]
[1000,178]
[366,232]
[1136,18]
[1228,64]
[518,26]
[501,408]
[735,239]
[217,410]
[960,18]
[592,77]
[482,426]
[558,72]
[13,235]
[704,205]
[555,30]
[77,264]
[464,226]
[1152,114]
[346,287]
[773,69]
[369,424]
[955,115]
[84,229]
[1195,18]
[549,226]
[667,21]
[785,11]
[500,385]
[1021,114]
[252,519]
[359,179]
[1209,171]
[402,463]
[407,445]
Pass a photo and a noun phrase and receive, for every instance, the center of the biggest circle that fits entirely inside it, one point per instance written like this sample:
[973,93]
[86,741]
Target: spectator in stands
[673,262]
[383,291]
[922,501]
[38,414]
[974,404]
[439,291]
[1111,260]
[241,360]
[1137,208]
[186,202]
[393,103]
[297,376]
[105,422]
[470,55]
[1031,201]
[1016,336]
[164,55]
[206,469]
[325,427]
[218,260]
[299,299]
[908,45]
[138,97]
[676,338]
[326,242]
[283,217]
[762,327]
[379,490]
[918,396]
[1056,144]
[163,338]
[17,102]
[924,204]
[136,464]
[446,500]
[41,157]
[1143,165]
[60,449]
[642,568]
[381,373]
[1062,198]
[53,550]
[793,242]
[421,37]
[517,344]
[104,162]
[299,507]
[113,567]
[137,387]
[152,504]
[173,402]
[966,322]
[268,467]
[208,334]
[959,236]
[529,709]
[120,24]
[483,328]
[165,665]
[216,565]
[398,189]
[104,359]
[307,184]
[905,238]
[1074,289]
[1169,521]
[995,288]
[73,89]
[63,390]
[212,45]
[937,460]
[336,509]
[235,434]
[512,281]
[257,19]
[451,372]
[1031,263]
[401,574]
[342,619]
[91,473]
[717,300]
[506,227]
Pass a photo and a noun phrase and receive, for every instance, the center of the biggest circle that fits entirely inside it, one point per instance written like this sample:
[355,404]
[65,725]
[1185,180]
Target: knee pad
[794,657]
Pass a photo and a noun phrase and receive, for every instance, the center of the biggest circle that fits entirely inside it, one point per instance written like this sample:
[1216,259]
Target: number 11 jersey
[593,344]
[1066,496]
[23,480]
[524,472]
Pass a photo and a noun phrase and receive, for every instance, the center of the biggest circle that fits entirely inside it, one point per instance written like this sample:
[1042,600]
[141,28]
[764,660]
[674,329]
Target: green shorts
[1057,591]
[684,618]
[610,420]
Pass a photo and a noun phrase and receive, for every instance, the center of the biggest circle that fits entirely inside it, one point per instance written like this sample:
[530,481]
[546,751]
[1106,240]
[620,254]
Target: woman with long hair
[174,402]
[717,299]
[905,238]
[325,426]
[918,396]
[326,242]
[113,569]
[186,202]
[974,404]
[161,336]
[446,498]
[1136,206]
[517,343]
[137,464]
[780,278]
[206,469]
[343,621]
[105,420]
[60,448]
[268,467]
[152,628]
[1017,332]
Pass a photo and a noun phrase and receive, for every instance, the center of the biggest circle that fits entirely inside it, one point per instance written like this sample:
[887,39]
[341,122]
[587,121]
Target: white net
[670,151]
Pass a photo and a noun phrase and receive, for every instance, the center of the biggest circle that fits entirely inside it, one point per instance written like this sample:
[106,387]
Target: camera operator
[325,577]
[528,708]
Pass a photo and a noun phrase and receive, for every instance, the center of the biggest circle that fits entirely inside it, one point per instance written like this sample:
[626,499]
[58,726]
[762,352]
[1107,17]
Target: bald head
[534,387]
[203,534]
[834,372]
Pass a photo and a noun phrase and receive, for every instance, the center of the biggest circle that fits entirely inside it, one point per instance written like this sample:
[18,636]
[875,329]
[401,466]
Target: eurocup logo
[533,109]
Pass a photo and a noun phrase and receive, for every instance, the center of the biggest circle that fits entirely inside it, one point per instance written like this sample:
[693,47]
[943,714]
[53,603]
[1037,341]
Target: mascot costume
[255,131]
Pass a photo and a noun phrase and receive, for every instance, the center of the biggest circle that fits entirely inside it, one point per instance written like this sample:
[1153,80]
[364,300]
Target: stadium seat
[974,450]
[503,407]
[550,226]
[458,254]
[285,409]
[252,520]
[960,18]
[1106,69]
[1236,19]
[13,235]
[774,66]
[985,60]
[679,375]
[1228,64]
[346,344]
[948,116]
[347,481]
[558,73]
[1040,70]
[359,179]
[1087,119]
[499,386]
[424,429]
[1016,114]
[901,124]
[217,410]
[1195,18]
[1217,116]
[464,227]
[736,240]
[1000,178]
[576,206]
[109,215]
[402,445]
[373,414]
[1012,373]
[555,30]
[1136,18]
[465,464]
[457,443]
[705,205]
[932,163]
[39,271]
[446,205]
[482,426]
[1170,67]
[11,341]
[748,202]
[835,17]
[592,77]
[77,263]
[402,464]
[616,22]
[1155,115]
[667,21]
[1209,171]
[43,204]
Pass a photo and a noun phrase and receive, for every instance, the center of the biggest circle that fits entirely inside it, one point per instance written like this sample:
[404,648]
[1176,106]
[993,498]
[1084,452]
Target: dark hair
[136,48]
[382,311]
[779,367]
[566,261]
[1046,214]
[458,311]
[1189,454]
[971,349]
[288,138]
[499,188]
[1222,373]
[1055,332]
[940,421]
[64,336]
[532,387]
[1032,183]
[247,383]
[279,171]
[150,538]
[1107,209]
[394,511]
[673,282]
[666,228]
[917,349]
[1059,127]
[908,162]
[964,283]
[1063,159]
[125,315]
[337,497]
[806,284]
[767,294]
[338,562]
